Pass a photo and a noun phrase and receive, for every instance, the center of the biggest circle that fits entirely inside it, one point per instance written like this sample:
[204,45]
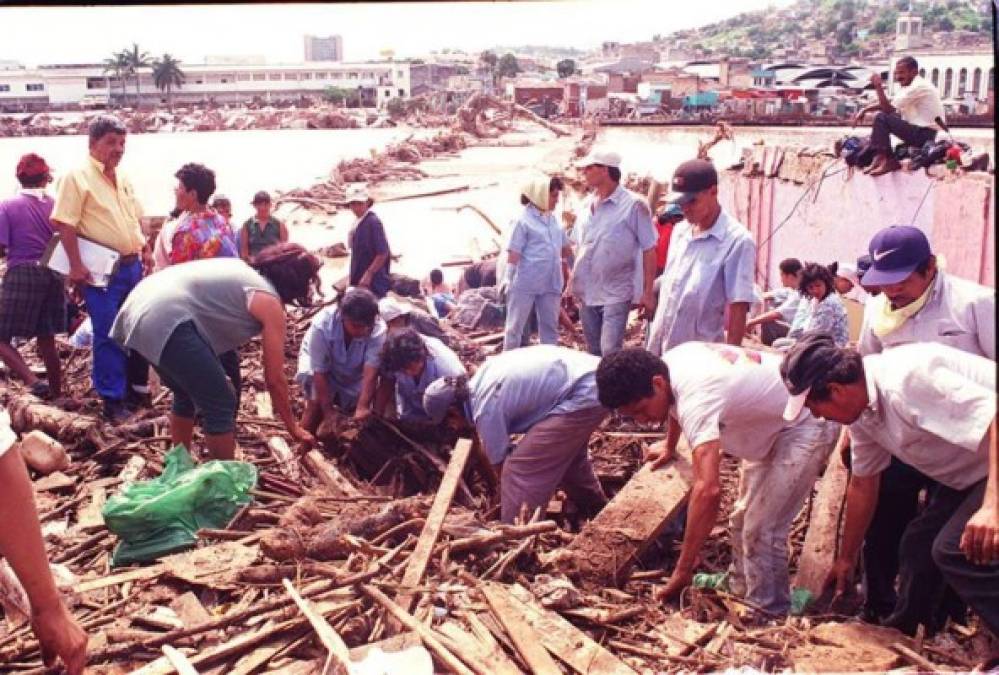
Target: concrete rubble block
[43,453]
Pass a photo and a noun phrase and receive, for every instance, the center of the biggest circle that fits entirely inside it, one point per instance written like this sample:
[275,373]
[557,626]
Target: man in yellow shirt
[95,202]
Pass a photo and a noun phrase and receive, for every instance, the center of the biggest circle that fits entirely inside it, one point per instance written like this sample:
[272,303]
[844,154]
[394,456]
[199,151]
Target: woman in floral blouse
[820,309]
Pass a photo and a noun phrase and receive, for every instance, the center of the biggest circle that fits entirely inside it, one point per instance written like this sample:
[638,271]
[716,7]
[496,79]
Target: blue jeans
[110,363]
[518,311]
[603,326]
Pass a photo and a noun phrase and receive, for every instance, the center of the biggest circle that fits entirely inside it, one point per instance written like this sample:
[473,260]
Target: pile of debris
[381,548]
[485,116]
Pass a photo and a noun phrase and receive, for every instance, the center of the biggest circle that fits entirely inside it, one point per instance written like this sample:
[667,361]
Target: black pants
[898,504]
[887,124]
[977,585]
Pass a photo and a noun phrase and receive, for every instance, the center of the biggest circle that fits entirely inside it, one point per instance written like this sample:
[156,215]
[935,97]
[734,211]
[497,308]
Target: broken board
[604,552]
[822,538]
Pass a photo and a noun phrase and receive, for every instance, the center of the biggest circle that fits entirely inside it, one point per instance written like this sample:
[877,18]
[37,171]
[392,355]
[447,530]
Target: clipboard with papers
[99,259]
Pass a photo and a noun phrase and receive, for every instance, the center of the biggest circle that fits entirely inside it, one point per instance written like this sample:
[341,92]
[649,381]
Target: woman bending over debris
[188,321]
[343,346]
[411,362]
[22,547]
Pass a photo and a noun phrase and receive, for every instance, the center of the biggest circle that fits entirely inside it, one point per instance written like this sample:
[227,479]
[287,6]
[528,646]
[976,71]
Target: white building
[323,48]
[75,85]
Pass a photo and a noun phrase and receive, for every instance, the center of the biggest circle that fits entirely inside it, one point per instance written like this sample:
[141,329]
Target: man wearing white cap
[732,400]
[370,256]
[707,287]
[545,392]
[533,277]
[614,226]
[398,315]
[934,408]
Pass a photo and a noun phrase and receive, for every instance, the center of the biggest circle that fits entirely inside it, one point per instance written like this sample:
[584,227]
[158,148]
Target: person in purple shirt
[32,297]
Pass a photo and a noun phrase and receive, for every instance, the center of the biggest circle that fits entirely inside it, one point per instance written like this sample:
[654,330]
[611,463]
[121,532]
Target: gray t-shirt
[212,293]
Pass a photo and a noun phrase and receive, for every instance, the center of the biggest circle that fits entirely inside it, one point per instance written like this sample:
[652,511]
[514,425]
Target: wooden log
[507,533]
[28,413]
[336,648]
[822,538]
[604,552]
[287,463]
[417,565]
[525,638]
[426,634]
[329,475]
[566,641]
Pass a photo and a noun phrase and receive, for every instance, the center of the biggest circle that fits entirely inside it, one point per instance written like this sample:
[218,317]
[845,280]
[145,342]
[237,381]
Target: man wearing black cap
[933,407]
[918,303]
[710,269]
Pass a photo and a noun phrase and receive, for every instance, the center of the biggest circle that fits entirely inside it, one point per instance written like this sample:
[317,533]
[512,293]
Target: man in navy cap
[934,408]
[918,303]
[710,271]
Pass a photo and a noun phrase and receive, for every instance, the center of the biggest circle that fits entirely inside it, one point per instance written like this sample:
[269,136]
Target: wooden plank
[566,641]
[132,470]
[336,648]
[822,537]
[396,643]
[265,408]
[178,661]
[426,634]
[527,640]
[89,517]
[610,544]
[139,574]
[329,475]
[417,565]
[488,658]
[286,460]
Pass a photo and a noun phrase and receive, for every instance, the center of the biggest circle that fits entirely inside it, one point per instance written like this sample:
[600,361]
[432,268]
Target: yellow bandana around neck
[888,320]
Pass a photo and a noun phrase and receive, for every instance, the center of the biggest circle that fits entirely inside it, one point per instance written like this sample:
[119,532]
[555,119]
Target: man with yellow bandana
[918,303]
[96,202]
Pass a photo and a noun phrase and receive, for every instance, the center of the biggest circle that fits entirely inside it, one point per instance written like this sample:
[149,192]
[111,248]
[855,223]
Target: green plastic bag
[800,599]
[160,516]
[717,581]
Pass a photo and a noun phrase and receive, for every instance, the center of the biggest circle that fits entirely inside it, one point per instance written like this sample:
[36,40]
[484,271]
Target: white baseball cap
[357,193]
[602,157]
[389,309]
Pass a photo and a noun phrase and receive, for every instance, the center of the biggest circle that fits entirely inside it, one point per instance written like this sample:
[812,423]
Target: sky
[80,34]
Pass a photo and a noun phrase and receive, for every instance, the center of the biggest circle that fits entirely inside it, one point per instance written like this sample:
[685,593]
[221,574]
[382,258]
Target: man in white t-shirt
[911,114]
[726,399]
[934,408]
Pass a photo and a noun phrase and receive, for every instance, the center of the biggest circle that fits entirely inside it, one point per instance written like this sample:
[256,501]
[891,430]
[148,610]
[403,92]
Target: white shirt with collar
[918,103]
[959,313]
[931,406]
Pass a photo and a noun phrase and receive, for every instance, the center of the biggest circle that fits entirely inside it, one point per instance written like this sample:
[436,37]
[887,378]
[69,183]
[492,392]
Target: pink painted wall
[957,214]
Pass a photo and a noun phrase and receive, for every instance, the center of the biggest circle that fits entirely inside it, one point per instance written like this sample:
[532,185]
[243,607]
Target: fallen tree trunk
[27,413]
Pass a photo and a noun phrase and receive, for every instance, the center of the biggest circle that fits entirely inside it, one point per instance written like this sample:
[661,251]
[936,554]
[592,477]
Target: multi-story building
[74,85]
[323,48]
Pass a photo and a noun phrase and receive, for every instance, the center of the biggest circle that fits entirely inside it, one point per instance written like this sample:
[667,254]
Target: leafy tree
[489,58]
[885,23]
[339,95]
[945,23]
[507,66]
[565,67]
[137,60]
[117,66]
[396,108]
[167,75]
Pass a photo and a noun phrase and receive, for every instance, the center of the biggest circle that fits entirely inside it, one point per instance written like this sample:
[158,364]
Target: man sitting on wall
[911,115]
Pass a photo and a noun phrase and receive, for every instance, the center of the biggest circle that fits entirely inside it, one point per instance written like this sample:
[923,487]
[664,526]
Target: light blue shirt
[442,362]
[611,233]
[539,240]
[828,316]
[789,306]
[705,272]
[513,391]
[325,351]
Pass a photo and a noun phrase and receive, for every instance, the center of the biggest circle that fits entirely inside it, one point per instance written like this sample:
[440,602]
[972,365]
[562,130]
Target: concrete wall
[837,222]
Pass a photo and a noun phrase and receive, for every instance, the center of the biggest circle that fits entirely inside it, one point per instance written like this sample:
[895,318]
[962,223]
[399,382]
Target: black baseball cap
[691,177]
[806,364]
[261,197]
[896,252]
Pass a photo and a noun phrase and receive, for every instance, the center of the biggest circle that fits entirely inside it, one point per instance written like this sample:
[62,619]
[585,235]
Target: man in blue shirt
[339,357]
[412,362]
[614,226]
[545,392]
[710,270]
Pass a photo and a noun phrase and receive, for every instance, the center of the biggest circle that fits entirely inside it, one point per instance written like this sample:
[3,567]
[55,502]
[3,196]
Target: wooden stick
[335,646]
[427,635]
[506,534]
[417,565]
[525,638]
[179,661]
[915,659]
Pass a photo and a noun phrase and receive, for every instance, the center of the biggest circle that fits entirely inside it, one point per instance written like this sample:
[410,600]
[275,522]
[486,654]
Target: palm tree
[117,66]
[137,60]
[167,75]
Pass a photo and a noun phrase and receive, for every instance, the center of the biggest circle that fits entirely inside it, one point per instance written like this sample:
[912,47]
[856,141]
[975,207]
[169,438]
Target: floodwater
[425,231]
